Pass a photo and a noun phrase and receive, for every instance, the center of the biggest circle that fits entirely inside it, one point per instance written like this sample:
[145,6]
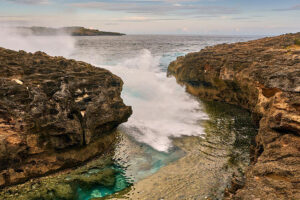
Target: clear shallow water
[141,160]
[210,161]
[132,162]
[121,182]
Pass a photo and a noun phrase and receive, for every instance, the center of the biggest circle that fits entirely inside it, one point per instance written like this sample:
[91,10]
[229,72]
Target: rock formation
[73,30]
[54,113]
[264,77]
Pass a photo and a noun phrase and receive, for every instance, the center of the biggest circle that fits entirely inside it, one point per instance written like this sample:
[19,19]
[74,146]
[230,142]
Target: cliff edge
[262,76]
[54,113]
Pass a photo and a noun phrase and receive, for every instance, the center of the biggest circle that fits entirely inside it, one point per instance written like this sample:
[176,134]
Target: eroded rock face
[264,77]
[51,111]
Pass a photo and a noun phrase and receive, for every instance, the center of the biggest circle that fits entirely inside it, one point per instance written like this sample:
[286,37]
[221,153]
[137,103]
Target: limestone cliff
[264,77]
[54,113]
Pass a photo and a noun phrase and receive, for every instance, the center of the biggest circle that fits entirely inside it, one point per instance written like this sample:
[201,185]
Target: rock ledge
[54,113]
[264,77]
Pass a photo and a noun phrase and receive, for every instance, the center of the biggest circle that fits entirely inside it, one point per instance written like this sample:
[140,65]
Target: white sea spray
[161,108]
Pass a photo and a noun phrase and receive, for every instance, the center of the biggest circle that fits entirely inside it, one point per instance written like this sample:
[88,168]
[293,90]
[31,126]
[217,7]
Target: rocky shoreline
[54,114]
[262,76]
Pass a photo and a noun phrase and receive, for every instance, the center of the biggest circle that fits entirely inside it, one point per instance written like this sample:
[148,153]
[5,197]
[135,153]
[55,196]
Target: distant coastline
[73,30]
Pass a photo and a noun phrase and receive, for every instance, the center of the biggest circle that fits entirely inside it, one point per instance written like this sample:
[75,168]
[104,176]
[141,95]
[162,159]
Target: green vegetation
[81,31]
[297,42]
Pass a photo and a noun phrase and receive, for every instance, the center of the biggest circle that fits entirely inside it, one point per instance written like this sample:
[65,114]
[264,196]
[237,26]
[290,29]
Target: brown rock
[54,113]
[2,180]
[264,77]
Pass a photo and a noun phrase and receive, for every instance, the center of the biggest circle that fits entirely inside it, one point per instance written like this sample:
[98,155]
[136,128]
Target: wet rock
[264,77]
[105,178]
[69,184]
[51,112]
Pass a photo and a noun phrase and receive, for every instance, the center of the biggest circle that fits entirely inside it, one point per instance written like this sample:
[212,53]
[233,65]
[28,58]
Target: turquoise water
[121,182]
[133,161]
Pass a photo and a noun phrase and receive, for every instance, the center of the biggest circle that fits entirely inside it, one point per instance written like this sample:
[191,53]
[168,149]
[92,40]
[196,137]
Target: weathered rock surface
[264,77]
[54,113]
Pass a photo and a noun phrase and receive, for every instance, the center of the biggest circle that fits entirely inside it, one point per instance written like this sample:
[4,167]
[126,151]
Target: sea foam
[56,45]
[161,108]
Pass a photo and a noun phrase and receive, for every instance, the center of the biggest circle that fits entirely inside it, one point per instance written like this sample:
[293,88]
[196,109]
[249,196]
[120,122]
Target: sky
[213,17]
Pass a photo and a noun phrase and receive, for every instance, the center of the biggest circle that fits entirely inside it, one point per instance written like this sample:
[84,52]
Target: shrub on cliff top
[297,42]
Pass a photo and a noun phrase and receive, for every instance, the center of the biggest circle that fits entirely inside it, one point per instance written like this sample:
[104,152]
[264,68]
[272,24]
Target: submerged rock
[264,77]
[70,184]
[53,112]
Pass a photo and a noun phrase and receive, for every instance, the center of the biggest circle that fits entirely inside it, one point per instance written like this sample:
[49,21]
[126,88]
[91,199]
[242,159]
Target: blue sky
[159,16]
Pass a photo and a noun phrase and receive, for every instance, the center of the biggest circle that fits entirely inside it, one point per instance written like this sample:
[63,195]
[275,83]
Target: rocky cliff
[264,77]
[54,113]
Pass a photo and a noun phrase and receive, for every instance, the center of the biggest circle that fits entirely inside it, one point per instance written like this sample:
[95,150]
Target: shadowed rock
[52,111]
[264,77]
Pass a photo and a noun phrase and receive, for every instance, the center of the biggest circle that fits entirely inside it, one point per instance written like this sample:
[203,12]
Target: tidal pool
[132,162]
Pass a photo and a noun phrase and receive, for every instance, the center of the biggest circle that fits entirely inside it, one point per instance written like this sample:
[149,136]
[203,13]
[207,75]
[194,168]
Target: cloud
[295,7]
[30,1]
[142,19]
[157,7]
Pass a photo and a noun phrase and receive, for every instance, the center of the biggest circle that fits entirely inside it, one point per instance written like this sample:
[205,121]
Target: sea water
[162,110]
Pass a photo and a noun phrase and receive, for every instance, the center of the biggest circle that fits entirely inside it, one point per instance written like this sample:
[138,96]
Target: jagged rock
[264,77]
[54,113]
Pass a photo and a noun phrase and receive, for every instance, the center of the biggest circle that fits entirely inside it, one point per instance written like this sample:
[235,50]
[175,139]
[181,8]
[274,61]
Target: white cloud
[31,1]
[177,4]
